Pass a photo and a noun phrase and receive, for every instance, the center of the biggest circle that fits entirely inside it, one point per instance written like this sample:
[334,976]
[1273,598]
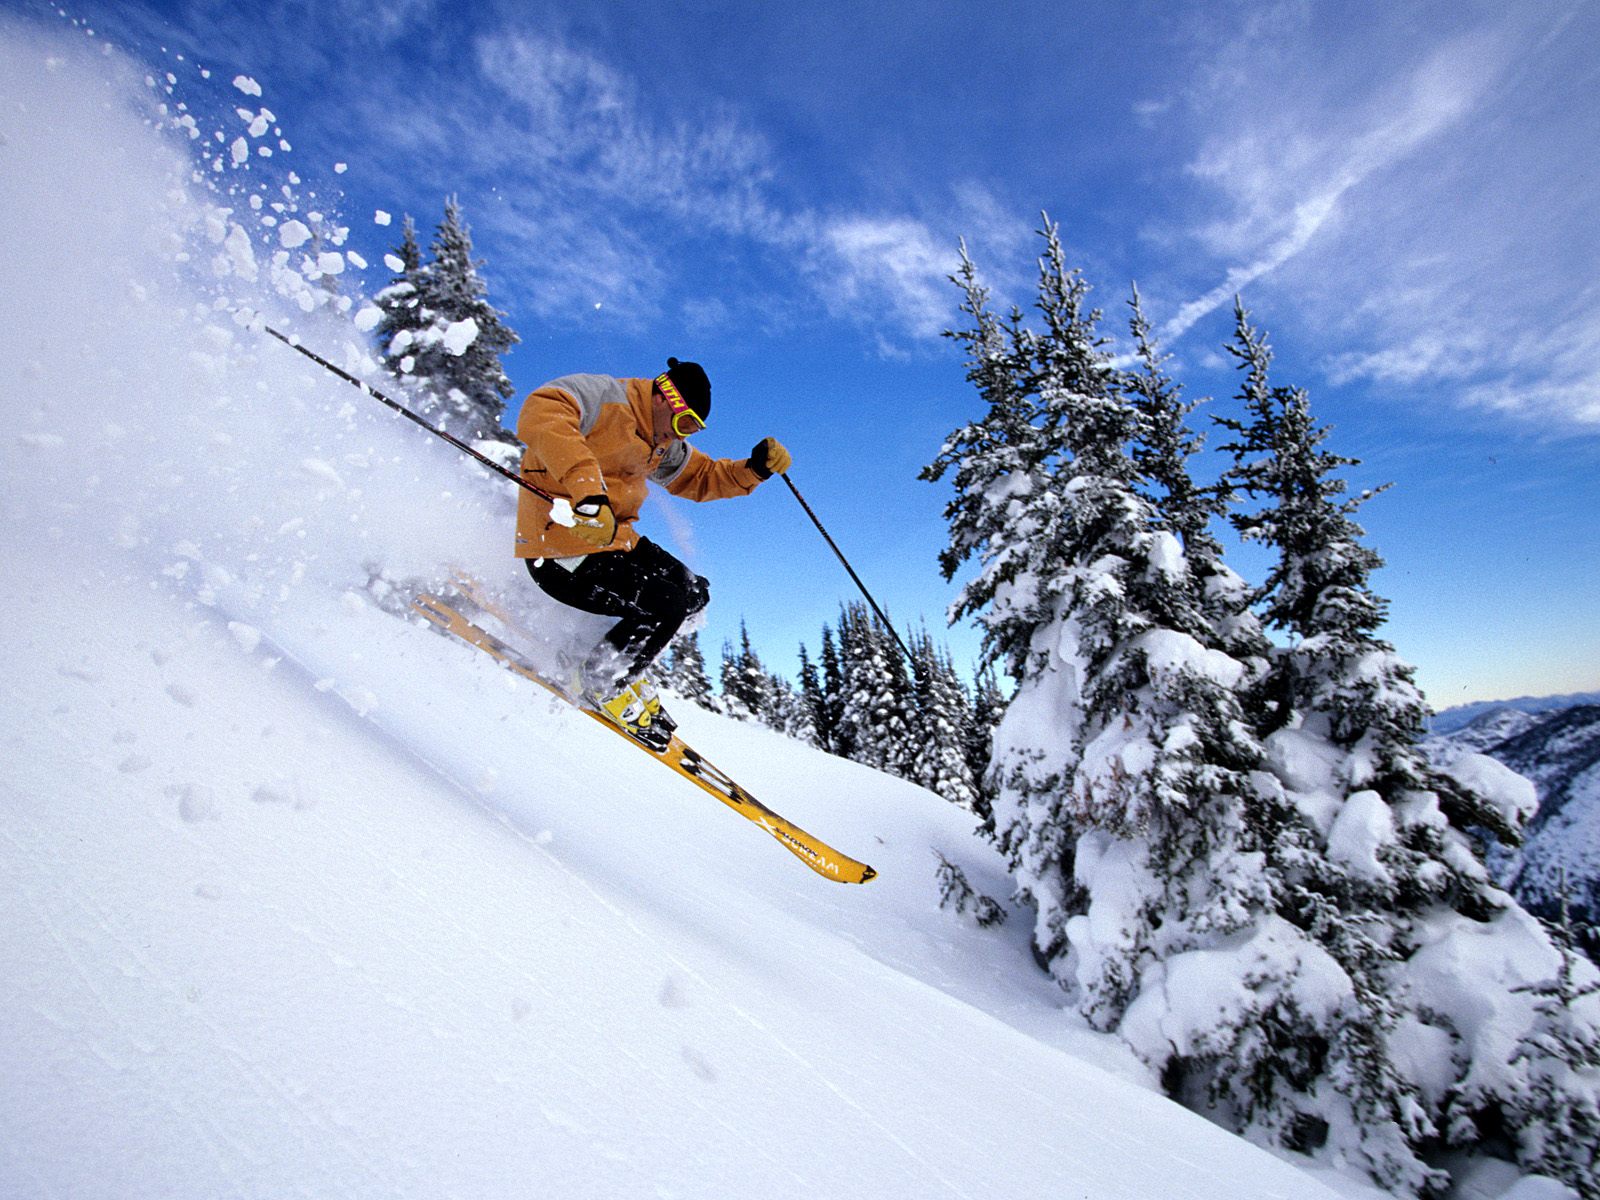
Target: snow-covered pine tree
[1163,448]
[938,760]
[685,670]
[1555,1114]
[1384,872]
[956,892]
[794,716]
[1001,468]
[748,691]
[813,722]
[983,718]
[400,302]
[1132,806]
[876,713]
[830,723]
[1164,445]
[1138,817]
[456,356]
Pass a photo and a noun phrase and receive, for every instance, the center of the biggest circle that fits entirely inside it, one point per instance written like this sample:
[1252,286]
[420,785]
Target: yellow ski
[682,758]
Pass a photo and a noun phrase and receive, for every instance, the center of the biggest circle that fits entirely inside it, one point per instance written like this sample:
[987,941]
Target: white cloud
[579,123]
[1287,179]
[887,266]
[585,170]
[1549,378]
[1428,222]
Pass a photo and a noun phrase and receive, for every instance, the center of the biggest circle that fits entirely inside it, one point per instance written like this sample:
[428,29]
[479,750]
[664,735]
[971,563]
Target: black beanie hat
[690,380]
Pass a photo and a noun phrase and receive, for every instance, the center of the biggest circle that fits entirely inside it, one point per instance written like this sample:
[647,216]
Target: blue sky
[1406,194]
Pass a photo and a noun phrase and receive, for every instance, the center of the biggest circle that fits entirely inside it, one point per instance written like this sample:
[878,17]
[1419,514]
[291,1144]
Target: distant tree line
[859,697]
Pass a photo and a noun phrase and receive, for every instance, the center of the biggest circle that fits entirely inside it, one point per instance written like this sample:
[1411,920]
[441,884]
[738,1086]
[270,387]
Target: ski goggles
[684,419]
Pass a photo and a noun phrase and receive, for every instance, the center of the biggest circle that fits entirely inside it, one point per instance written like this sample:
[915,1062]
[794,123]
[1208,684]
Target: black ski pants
[649,590]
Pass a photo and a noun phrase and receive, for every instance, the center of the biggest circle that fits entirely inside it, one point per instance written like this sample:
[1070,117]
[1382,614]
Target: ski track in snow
[306,899]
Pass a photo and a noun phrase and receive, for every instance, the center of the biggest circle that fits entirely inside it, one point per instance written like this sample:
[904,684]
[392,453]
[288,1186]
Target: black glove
[769,458]
[596,523]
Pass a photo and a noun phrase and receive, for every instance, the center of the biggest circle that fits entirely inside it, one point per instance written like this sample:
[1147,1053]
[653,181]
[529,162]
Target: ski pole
[840,554]
[409,415]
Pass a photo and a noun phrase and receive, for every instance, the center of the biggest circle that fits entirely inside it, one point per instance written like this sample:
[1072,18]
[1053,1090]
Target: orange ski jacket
[588,435]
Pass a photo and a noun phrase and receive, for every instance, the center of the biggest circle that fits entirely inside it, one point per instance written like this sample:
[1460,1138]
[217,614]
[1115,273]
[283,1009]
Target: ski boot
[659,717]
[632,713]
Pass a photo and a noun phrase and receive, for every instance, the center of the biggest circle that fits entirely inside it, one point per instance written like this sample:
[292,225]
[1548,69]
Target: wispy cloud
[1288,179]
[1435,231]
[892,267]
[590,190]
[573,136]
[1549,376]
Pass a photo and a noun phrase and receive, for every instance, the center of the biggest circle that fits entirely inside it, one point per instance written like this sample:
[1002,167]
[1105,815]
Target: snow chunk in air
[247,85]
[247,637]
[293,234]
[459,335]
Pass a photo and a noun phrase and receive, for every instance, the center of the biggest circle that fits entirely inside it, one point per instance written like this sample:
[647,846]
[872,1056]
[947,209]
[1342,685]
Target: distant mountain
[1452,719]
[1491,727]
[1560,752]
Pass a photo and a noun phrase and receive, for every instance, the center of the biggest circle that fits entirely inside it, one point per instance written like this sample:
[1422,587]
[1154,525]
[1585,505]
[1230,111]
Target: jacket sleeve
[706,478]
[550,427]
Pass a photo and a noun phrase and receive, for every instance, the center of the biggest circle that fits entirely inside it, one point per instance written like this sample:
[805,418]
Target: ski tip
[867,875]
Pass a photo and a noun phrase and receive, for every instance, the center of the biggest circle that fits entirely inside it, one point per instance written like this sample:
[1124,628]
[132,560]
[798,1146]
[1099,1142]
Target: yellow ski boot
[634,714]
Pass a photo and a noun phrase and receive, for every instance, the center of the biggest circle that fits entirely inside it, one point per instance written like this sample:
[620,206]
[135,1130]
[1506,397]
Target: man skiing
[600,441]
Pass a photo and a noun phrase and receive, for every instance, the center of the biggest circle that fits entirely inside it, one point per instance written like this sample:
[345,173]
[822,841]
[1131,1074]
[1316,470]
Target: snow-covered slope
[304,899]
[1561,754]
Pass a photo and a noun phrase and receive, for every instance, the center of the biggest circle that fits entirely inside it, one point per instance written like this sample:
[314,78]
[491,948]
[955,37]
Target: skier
[599,440]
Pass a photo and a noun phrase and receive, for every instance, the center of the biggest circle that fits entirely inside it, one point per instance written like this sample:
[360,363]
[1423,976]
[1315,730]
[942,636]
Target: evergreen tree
[792,714]
[938,758]
[1133,807]
[1164,446]
[1002,498]
[685,671]
[1386,866]
[956,892]
[812,725]
[455,355]
[748,691]
[403,318]
[988,706]
[1148,773]
[830,724]
[875,715]
[1237,857]
[1554,1117]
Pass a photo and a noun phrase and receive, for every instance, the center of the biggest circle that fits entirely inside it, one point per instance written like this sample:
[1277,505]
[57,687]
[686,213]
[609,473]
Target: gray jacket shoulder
[592,392]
